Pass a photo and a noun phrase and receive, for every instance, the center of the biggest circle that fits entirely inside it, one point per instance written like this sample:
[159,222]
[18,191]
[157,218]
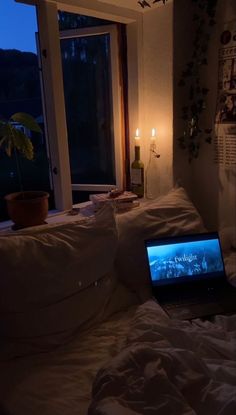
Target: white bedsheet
[170,367]
[59,383]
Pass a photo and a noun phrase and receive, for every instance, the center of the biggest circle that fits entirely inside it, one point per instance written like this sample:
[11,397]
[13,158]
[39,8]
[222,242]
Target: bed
[80,333]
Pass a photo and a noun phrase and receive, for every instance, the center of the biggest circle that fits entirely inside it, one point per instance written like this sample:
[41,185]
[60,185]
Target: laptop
[187,276]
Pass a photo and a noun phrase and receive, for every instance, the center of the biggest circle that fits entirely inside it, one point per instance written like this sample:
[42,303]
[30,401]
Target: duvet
[170,367]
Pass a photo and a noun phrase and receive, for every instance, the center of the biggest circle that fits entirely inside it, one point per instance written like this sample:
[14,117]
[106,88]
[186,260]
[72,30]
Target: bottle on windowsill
[137,174]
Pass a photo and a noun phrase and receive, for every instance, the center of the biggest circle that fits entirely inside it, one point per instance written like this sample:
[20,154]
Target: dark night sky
[17,26]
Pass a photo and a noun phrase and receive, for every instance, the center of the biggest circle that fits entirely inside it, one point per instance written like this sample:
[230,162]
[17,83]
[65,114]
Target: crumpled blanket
[170,367]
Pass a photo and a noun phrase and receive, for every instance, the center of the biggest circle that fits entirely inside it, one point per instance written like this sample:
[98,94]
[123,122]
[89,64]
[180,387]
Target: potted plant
[25,208]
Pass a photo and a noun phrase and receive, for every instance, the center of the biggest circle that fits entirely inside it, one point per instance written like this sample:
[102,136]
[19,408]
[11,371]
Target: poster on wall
[225,118]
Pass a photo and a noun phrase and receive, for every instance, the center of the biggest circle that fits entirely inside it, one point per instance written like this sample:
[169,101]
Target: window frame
[49,37]
[116,102]
[54,102]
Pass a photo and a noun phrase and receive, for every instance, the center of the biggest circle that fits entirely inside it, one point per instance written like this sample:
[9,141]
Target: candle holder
[152,185]
[153,150]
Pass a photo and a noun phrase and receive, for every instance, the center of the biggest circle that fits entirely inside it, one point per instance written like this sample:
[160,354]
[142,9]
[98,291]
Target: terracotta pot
[27,208]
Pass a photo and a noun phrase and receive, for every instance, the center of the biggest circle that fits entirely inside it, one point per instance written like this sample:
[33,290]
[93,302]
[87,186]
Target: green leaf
[8,147]
[27,121]
[23,144]
[4,129]
[3,139]
[6,137]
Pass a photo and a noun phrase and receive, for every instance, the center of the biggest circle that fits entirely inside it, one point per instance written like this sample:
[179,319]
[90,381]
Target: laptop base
[215,303]
[192,311]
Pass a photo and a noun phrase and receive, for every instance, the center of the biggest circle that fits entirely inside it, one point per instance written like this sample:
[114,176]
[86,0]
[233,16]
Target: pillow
[230,267]
[228,238]
[54,280]
[172,214]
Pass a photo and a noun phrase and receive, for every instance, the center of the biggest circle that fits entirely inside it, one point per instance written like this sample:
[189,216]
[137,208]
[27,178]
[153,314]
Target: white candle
[153,134]
[137,135]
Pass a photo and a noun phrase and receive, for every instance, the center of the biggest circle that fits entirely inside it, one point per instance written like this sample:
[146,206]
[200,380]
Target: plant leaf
[4,129]
[23,144]
[8,147]
[27,121]
[6,138]
[2,140]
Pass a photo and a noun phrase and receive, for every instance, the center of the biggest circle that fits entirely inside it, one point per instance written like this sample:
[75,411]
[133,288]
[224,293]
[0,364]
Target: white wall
[151,99]
[182,52]
[158,87]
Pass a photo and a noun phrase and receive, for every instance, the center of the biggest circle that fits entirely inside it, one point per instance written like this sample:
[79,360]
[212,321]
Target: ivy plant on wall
[195,134]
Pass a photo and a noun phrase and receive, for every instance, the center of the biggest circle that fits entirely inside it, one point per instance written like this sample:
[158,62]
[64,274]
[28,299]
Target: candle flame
[137,134]
[154,133]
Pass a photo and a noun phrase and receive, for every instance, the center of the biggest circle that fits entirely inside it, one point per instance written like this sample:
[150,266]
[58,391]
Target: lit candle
[137,135]
[153,134]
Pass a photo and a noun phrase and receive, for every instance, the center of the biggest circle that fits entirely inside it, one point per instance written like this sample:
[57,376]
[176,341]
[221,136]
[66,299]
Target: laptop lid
[182,260]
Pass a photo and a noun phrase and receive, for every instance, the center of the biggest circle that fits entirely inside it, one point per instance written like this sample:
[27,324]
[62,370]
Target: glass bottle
[137,174]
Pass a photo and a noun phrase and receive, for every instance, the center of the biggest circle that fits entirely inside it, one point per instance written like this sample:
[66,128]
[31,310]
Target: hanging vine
[191,79]
[144,3]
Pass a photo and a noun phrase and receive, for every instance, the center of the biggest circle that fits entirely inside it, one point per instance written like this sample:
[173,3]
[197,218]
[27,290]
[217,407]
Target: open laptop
[188,276]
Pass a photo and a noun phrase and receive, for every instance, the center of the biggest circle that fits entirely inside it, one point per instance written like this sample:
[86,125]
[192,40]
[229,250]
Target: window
[20,92]
[86,149]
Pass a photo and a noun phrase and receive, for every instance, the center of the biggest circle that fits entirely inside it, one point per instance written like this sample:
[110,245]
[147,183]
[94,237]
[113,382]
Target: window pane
[87,88]
[20,92]
[76,21]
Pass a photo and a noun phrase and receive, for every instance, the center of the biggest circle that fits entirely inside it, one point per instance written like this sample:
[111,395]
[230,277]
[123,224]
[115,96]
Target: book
[122,198]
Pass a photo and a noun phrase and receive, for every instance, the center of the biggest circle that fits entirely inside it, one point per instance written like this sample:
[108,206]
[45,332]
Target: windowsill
[56,216]
[81,211]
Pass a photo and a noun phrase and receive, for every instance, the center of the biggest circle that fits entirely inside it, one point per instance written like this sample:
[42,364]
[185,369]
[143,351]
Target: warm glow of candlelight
[153,134]
[137,134]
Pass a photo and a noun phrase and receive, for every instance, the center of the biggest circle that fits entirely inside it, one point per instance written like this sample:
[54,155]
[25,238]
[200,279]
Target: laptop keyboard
[186,302]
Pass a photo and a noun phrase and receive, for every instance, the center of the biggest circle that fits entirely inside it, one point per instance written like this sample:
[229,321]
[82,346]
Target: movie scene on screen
[184,259]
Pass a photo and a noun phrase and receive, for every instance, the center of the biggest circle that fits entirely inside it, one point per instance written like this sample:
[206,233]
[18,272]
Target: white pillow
[56,279]
[172,214]
[228,238]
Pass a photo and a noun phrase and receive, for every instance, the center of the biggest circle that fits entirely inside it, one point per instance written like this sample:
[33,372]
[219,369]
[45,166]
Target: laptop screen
[183,259]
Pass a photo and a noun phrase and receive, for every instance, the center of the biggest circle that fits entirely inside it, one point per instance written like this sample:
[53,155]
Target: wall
[158,88]
[182,52]
[212,188]
[151,99]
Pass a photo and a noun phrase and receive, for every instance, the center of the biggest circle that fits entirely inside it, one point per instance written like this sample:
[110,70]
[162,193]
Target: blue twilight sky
[18,25]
